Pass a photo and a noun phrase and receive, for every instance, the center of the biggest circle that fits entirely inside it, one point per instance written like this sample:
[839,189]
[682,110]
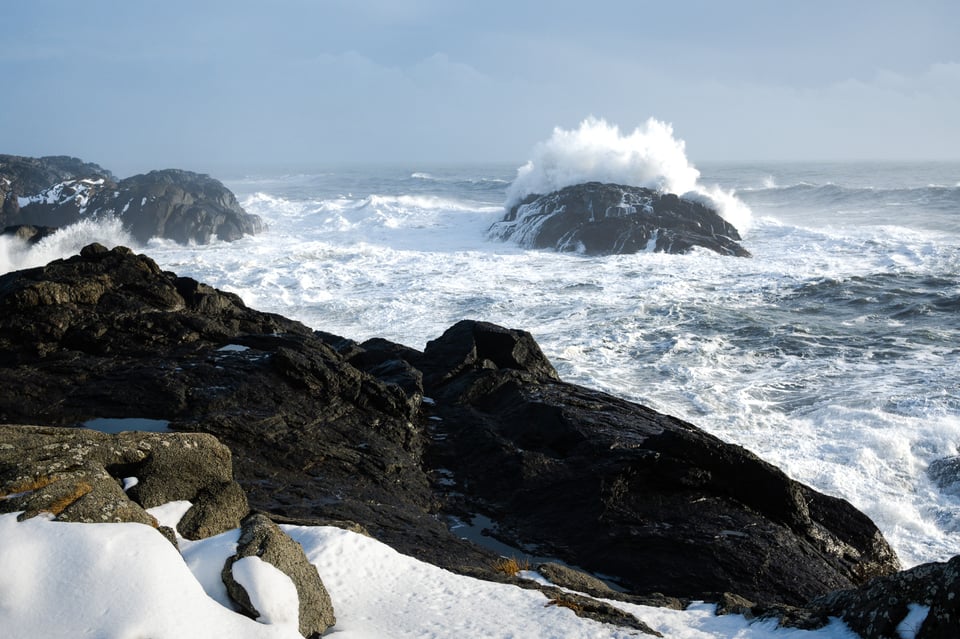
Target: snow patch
[171,513]
[272,593]
[910,626]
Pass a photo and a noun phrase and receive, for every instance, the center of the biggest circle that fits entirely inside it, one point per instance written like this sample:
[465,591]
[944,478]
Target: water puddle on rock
[114,425]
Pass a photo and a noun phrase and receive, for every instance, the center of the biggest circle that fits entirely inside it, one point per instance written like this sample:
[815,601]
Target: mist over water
[833,353]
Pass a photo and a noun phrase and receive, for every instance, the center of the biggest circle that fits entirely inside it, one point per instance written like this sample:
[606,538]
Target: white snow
[233,348]
[170,513]
[125,580]
[908,628]
[107,581]
[272,593]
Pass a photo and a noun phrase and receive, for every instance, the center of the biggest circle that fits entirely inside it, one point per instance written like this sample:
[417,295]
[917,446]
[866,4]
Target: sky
[204,85]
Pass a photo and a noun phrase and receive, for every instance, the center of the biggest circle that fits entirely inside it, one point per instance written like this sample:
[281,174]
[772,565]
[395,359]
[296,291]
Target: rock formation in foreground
[604,219]
[173,204]
[81,475]
[323,428]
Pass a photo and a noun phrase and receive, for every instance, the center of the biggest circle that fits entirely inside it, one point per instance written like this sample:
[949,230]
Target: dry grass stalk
[511,566]
[565,603]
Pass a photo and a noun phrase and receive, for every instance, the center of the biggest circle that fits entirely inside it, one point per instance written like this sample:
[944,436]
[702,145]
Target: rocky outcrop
[20,176]
[88,476]
[263,539]
[622,490]
[178,205]
[108,334]
[604,219]
[923,602]
[323,427]
[173,204]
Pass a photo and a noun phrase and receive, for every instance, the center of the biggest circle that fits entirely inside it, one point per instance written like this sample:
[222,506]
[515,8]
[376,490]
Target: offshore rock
[178,205]
[263,539]
[78,474]
[27,233]
[603,219]
[173,204]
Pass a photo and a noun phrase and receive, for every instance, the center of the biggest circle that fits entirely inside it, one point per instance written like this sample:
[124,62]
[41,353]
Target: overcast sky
[196,84]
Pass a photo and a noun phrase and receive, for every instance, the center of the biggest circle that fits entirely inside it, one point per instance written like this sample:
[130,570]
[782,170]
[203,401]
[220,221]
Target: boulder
[924,601]
[261,538]
[603,219]
[945,473]
[172,204]
[78,475]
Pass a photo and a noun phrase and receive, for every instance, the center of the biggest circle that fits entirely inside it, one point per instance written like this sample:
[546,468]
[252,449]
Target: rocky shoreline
[39,195]
[390,440]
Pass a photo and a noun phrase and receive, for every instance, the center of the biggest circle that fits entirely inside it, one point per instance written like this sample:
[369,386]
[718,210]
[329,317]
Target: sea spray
[17,254]
[649,157]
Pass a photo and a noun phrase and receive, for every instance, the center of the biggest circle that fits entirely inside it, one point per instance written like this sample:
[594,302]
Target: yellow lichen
[26,485]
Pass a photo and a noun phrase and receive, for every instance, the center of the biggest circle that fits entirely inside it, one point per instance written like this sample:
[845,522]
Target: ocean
[833,353]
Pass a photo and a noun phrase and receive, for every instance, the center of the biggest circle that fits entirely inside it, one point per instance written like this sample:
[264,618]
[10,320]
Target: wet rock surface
[179,205]
[323,428]
[603,219]
[621,490]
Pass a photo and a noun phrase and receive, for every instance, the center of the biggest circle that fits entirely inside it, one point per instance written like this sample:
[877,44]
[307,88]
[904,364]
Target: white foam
[16,254]
[650,156]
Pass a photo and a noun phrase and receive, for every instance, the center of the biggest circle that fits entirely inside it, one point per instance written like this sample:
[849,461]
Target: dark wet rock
[173,204]
[107,334]
[216,509]
[945,473]
[77,474]
[323,428]
[877,609]
[604,219]
[261,538]
[178,205]
[21,177]
[621,490]
[469,345]
[28,233]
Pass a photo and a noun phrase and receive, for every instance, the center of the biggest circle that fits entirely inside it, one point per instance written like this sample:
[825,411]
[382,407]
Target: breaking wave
[648,157]
[17,254]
